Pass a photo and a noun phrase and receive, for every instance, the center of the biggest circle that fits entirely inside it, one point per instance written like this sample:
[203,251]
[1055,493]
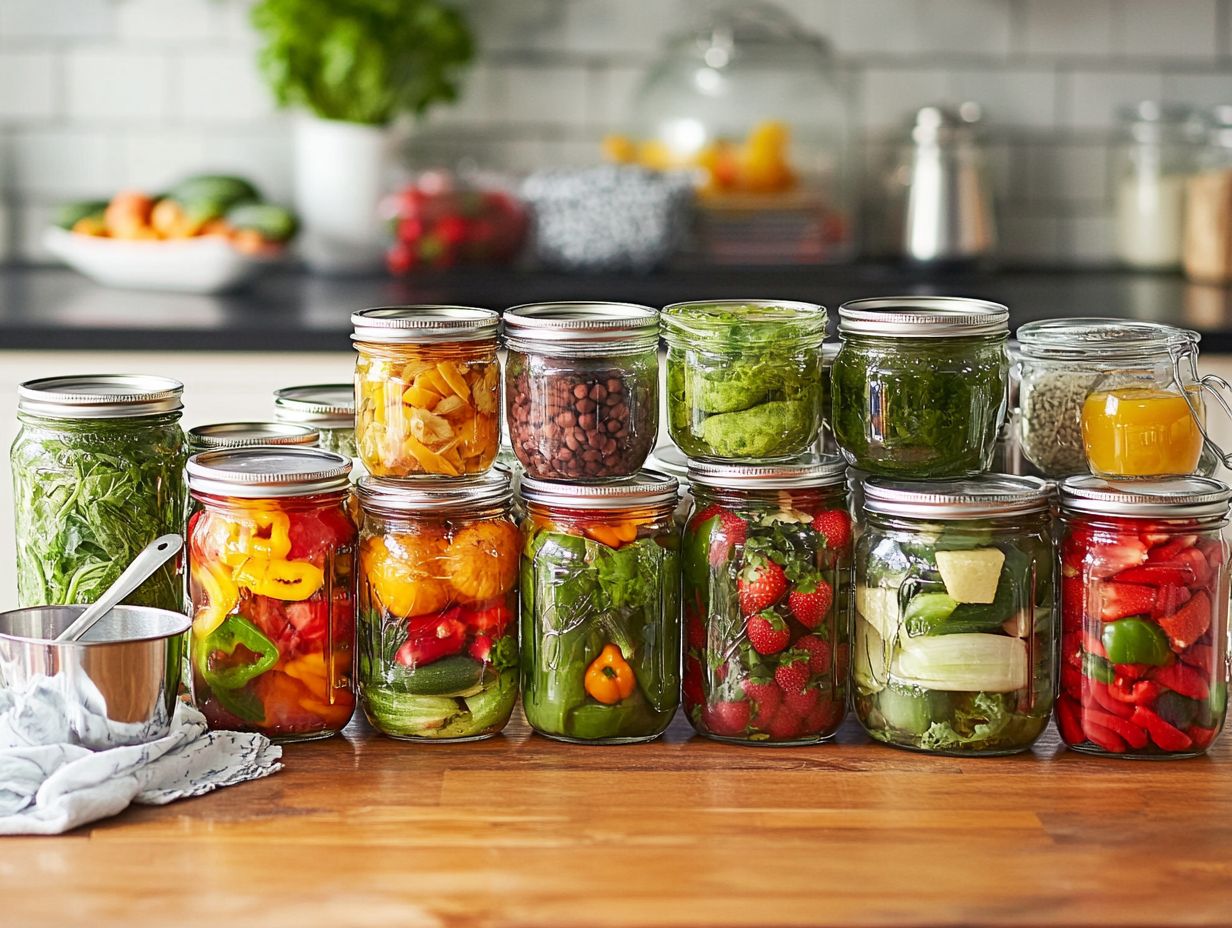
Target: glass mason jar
[272,591]
[329,408]
[582,388]
[249,435]
[920,385]
[438,599]
[954,637]
[826,443]
[98,474]
[672,461]
[1144,612]
[744,378]
[427,390]
[1206,249]
[600,609]
[766,565]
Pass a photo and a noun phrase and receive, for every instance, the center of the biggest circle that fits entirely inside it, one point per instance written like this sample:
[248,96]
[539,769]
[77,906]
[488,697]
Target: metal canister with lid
[329,408]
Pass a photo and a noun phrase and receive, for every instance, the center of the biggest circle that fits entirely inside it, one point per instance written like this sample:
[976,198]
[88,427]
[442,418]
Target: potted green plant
[354,67]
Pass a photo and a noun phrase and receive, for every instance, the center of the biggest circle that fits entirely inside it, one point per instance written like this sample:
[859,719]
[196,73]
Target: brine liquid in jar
[1142,431]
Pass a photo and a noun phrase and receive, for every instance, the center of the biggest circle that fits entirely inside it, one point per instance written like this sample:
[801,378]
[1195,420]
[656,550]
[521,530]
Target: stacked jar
[438,547]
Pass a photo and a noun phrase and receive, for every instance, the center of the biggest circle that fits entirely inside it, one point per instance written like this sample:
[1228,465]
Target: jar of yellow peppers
[427,390]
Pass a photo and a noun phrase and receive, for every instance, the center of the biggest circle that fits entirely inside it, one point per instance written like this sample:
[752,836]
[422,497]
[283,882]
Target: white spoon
[152,557]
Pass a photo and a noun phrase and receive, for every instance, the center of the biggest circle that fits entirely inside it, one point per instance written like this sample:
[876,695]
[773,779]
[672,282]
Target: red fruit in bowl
[1120,600]
[835,526]
[451,229]
[767,632]
[810,601]
[760,586]
[410,228]
[818,652]
[727,717]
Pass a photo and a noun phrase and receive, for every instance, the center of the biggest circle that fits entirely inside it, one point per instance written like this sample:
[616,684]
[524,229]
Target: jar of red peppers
[270,558]
[1144,607]
[766,562]
[582,388]
[438,571]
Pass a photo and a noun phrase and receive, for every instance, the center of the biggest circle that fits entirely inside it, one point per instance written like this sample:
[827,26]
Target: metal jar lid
[1178,497]
[100,396]
[922,317]
[405,497]
[268,473]
[249,434]
[424,323]
[760,321]
[1096,339]
[672,461]
[645,488]
[328,405]
[985,497]
[594,327]
[808,471]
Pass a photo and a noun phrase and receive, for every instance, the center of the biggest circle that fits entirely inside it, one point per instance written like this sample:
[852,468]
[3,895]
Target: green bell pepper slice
[1095,667]
[1136,641]
[234,632]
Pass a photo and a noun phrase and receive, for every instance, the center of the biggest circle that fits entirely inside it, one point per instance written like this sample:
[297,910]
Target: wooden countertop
[519,830]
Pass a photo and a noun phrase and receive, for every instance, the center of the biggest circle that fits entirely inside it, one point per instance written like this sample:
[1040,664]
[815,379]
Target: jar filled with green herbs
[98,474]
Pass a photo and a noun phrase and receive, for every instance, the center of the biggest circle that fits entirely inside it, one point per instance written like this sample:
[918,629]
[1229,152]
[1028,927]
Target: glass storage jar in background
[329,408]
[582,388]
[98,474]
[600,591]
[672,461]
[1206,249]
[954,638]
[919,385]
[1144,606]
[427,390]
[766,565]
[248,435]
[438,599]
[744,378]
[272,589]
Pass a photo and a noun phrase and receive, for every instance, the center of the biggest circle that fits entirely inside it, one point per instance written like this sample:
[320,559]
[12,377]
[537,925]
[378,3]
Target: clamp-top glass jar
[582,388]
[919,385]
[329,408]
[954,637]
[1144,606]
[427,390]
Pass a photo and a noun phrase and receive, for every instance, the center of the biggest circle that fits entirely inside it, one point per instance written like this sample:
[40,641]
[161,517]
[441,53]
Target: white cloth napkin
[51,780]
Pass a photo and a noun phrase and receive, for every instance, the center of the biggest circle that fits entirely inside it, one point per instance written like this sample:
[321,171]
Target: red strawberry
[810,601]
[1166,552]
[1200,656]
[1189,623]
[691,685]
[835,526]
[802,703]
[818,651]
[760,586]
[1192,558]
[730,717]
[792,674]
[729,531]
[1073,593]
[823,717]
[767,697]
[1170,599]
[784,726]
[1159,574]
[1109,559]
[841,655]
[695,629]
[767,632]
[1118,600]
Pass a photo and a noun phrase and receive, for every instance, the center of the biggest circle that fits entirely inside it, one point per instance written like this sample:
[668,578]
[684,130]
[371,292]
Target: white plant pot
[340,174]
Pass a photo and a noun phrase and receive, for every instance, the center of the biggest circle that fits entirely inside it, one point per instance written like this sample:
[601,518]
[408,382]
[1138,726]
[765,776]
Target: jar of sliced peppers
[427,390]
[766,560]
[1144,607]
[600,608]
[270,559]
[438,640]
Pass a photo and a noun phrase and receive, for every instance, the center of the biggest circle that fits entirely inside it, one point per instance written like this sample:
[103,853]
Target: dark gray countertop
[51,308]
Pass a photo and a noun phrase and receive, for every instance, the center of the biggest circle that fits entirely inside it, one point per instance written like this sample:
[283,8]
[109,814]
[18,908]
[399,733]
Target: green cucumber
[229,190]
[925,612]
[448,676]
[70,214]
[273,223]
[905,709]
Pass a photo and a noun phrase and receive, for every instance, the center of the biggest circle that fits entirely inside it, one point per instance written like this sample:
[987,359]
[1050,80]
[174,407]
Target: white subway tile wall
[99,94]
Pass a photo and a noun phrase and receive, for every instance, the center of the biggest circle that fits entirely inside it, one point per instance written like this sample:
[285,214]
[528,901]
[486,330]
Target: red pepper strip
[1092,644]
[1201,656]
[1097,734]
[1138,693]
[1183,679]
[1071,680]
[1165,736]
[1096,695]
[1201,737]
[1131,671]
[1067,721]
[1133,734]
[1071,648]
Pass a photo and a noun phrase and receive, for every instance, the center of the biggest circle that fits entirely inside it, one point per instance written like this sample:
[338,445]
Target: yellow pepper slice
[221,594]
[290,581]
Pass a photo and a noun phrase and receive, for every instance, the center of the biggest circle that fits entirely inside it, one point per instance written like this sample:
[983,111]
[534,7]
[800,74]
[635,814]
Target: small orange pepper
[609,678]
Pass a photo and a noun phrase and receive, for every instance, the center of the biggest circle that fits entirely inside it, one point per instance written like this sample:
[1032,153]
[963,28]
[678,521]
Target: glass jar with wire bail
[329,408]
[438,599]
[1144,612]
[919,385]
[272,590]
[600,592]
[98,474]
[766,565]
[427,390]
[582,388]
[954,637]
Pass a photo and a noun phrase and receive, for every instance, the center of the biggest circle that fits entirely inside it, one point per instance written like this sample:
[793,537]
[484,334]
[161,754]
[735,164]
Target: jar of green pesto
[919,385]
[744,378]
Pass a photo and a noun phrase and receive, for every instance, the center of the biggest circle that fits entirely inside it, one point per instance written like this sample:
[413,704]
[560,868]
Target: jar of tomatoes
[270,558]
[427,390]
[600,608]
[766,561]
[438,571]
[1144,609]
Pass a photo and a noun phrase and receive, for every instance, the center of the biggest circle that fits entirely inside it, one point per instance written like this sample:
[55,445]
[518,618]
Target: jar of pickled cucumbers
[600,597]
[919,385]
[329,408]
[427,390]
[1144,606]
[270,559]
[954,637]
[766,565]
[744,378]
[438,599]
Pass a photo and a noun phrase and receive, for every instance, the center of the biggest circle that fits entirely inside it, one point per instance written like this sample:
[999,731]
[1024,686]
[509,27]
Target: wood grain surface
[519,830]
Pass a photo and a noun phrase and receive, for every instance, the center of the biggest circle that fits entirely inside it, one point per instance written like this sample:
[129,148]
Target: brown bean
[580,391]
[586,421]
[586,405]
[571,443]
[598,393]
[566,420]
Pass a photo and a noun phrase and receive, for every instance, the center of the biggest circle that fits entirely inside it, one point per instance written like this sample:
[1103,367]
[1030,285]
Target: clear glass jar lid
[329,405]
[1101,339]
[249,434]
[424,323]
[807,471]
[922,317]
[746,322]
[268,473]
[985,497]
[645,488]
[598,326]
[100,396]
[1179,497]
[408,497]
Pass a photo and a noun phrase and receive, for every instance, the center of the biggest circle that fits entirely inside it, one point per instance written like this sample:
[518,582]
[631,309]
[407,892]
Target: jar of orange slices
[427,390]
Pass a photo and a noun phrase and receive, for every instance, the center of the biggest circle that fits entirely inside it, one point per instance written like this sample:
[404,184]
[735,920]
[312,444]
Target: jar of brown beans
[582,388]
